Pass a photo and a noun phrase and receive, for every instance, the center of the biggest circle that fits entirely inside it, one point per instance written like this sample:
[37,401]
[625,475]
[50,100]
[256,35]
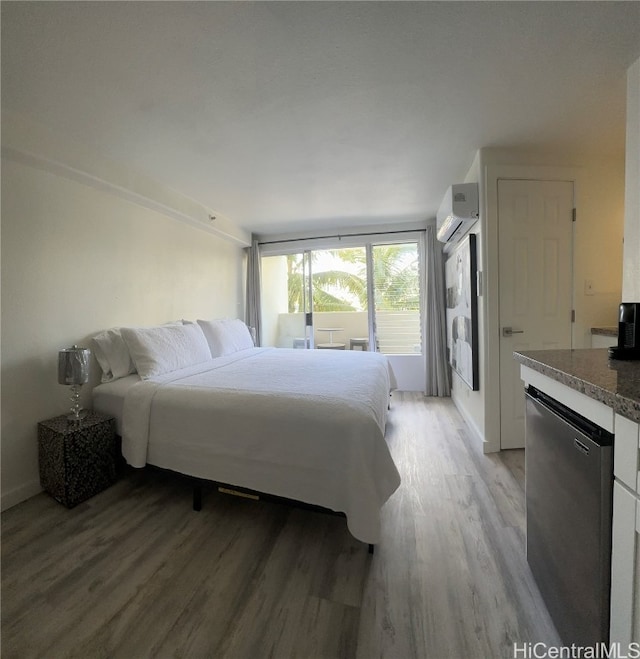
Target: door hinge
[573,315]
[573,215]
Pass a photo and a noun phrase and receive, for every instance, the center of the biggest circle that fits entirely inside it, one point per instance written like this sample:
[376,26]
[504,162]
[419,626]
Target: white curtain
[438,373]
[254,309]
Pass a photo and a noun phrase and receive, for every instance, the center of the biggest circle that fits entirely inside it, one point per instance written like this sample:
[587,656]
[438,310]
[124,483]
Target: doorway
[363,296]
[535,247]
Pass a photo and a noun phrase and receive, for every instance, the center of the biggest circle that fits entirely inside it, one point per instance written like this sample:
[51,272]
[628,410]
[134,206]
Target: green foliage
[395,275]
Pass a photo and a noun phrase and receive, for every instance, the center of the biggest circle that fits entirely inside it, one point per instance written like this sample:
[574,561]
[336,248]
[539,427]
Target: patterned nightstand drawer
[77,460]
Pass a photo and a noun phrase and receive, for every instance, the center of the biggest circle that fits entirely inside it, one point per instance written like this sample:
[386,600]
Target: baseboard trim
[478,436]
[19,494]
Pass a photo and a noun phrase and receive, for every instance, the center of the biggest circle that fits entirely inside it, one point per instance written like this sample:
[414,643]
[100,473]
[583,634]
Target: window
[357,296]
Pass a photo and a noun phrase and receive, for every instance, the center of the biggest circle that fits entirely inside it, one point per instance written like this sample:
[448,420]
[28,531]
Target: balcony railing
[398,332]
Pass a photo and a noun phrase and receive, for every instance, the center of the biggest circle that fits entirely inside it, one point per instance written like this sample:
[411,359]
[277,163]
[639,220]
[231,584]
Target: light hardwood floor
[134,572]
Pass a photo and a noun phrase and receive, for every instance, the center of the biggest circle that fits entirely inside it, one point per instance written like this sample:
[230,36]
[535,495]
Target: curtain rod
[338,236]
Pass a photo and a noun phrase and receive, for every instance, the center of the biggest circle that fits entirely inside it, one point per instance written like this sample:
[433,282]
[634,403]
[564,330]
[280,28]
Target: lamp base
[77,413]
[77,416]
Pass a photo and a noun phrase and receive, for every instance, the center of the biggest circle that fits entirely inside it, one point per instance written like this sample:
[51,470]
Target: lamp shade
[73,365]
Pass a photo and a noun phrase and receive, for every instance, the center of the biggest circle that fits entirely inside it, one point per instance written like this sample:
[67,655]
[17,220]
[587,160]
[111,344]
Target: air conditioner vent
[458,211]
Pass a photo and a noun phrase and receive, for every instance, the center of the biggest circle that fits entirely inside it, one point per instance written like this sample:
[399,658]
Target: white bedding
[302,424]
[108,397]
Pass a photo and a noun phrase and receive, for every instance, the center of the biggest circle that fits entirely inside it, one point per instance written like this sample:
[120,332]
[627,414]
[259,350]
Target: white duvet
[302,424]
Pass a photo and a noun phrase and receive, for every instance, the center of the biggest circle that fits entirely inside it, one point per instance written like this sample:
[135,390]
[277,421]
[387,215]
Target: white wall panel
[76,260]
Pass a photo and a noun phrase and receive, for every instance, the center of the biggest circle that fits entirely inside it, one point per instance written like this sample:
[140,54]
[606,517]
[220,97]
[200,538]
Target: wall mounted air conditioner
[458,211]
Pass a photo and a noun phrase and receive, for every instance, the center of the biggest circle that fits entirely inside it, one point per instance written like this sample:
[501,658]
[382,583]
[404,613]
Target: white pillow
[159,350]
[112,354]
[226,336]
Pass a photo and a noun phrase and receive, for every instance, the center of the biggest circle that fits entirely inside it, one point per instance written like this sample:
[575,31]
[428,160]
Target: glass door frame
[367,241]
[371,307]
[307,298]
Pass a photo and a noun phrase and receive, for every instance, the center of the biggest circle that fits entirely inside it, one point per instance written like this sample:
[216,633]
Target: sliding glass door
[287,292]
[396,293]
[340,298]
[349,296]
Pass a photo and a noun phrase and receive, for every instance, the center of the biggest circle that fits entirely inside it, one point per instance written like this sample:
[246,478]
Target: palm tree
[342,286]
[327,285]
[395,275]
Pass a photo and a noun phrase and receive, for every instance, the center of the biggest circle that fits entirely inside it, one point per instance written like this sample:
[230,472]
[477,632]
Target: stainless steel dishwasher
[568,484]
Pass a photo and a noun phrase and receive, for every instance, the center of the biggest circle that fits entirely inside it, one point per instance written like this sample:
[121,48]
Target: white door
[535,261]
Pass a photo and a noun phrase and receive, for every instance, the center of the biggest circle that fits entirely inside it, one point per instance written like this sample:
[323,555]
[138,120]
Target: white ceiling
[299,115]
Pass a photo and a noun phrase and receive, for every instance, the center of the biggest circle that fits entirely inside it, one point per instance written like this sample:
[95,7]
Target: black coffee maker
[628,332]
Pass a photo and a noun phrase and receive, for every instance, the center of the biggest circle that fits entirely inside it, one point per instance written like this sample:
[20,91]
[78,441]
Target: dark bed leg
[371,548]
[197,496]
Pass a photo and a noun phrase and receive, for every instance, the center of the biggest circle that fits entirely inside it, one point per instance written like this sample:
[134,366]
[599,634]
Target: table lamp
[73,369]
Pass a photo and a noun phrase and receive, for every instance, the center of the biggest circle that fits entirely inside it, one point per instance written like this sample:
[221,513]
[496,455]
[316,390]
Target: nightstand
[77,459]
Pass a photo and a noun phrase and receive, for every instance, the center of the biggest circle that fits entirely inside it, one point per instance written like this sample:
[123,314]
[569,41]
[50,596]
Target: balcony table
[331,345]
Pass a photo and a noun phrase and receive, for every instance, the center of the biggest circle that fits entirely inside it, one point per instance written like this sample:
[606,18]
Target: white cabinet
[623,551]
[625,457]
[625,566]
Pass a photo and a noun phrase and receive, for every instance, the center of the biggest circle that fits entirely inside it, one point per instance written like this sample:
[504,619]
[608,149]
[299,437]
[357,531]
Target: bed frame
[246,493]
[225,488]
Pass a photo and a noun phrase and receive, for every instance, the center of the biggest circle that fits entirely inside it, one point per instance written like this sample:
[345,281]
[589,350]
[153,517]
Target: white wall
[599,189]
[275,300]
[471,404]
[599,192]
[631,276]
[598,246]
[76,260]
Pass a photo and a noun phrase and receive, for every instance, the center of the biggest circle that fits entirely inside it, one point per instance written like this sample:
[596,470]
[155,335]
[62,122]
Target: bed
[305,425]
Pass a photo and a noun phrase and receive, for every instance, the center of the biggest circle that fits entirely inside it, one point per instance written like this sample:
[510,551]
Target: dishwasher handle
[594,432]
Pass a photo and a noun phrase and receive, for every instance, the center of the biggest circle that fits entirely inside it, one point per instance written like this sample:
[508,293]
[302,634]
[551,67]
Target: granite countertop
[605,331]
[613,382]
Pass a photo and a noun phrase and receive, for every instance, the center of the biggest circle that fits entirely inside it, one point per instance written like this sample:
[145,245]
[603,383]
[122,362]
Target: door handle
[509,331]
